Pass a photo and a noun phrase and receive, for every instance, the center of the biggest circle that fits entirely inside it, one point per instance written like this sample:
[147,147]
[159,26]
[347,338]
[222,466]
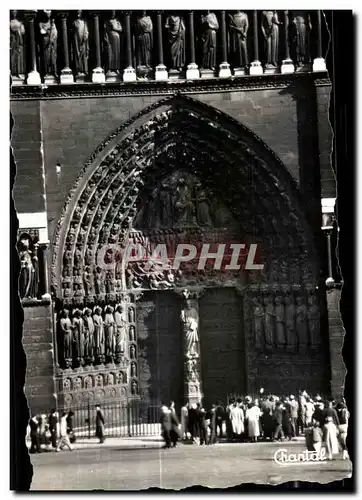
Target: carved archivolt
[222,157]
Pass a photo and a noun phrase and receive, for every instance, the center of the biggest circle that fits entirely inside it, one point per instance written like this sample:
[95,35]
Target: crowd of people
[56,432]
[270,418]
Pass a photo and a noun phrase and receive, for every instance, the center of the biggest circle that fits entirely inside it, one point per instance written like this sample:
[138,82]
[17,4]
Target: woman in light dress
[237,419]
[253,414]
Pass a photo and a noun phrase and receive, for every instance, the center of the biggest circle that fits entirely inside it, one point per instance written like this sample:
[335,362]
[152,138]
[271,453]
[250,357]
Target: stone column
[66,75]
[225,71]
[319,63]
[98,75]
[161,70]
[191,342]
[192,72]
[287,64]
[44,264]
[327,228]
[255,66]
[33,76]
[129,74]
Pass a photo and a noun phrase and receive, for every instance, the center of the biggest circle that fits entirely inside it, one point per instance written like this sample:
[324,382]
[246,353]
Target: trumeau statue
[29,270]
[299,30]
[17,56]
[49,37]
[80,44]
[270,29]
[190,321]
[210,26]
[176,38]
[113,43]
[239,25]
[144,37]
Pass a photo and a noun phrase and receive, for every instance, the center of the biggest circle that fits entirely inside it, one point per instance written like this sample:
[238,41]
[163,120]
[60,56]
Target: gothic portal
[181,172]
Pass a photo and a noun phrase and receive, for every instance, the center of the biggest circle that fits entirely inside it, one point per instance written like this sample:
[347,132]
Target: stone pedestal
[129,75]
[192,72]
[113,77]
[239,72]
[256,68]
[319,64]
[287,67]
[66,76]
[161,74]
[18,80]
[50,80]
[303,68]
[269,69]
[33,78]
[80,78]
[98,75]
[207,73]
[225,71]
[174,74]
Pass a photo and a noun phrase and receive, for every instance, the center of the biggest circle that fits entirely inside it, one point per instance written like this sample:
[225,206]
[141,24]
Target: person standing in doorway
[34,435]
[100,424]
[63,431]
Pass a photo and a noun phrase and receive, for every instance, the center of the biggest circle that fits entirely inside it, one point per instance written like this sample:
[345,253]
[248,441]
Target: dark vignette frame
[341,63]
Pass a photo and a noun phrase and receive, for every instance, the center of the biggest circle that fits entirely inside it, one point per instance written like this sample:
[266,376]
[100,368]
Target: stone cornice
[215,85]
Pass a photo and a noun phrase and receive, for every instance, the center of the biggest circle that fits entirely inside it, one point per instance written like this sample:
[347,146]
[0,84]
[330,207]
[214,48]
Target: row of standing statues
[87,336]
[285,322]
[208,38]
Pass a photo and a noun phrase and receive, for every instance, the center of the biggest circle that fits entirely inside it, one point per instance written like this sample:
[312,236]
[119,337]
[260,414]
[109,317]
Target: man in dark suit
[204,438]
[278,419]
[34,435]
[175,425]
[166,425]
[53,421]
[100,424]
[213,422]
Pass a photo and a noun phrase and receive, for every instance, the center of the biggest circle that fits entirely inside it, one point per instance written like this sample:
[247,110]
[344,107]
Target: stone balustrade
[52,47]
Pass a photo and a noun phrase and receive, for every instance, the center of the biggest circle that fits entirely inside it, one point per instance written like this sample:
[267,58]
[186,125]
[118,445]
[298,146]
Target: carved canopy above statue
[179,164]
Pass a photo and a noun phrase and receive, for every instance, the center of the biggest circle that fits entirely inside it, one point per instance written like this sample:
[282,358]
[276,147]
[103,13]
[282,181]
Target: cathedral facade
[161,131]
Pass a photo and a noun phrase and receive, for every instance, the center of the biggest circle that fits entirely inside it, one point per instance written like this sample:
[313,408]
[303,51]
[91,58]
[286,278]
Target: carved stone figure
[78,258]
[121,335]
[202,206]
[80,44]
[131,315]
[132,351]
[113,43]
[166,205]
[258,316]
[98,332]
[239,25]
[78,335]
[120,378]
[109,333]
[99,281]
[132,333]
[190,322]
[176,39]
[184,207]
[144,37]
[290,323]
[66,334]
[134,387]
[133,369]
[210,26]
[49,42]
[269,319]
[88,382]
[17,56]
[99,380]
[301,319]
[299,32]
[29,268]
[270,29]
[88,335]
[313,322]
[280,321]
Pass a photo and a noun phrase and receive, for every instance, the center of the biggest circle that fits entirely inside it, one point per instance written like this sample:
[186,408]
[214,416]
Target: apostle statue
[184,207]
[133,369]
[144,38]
[17,56]
[78,335]
[299,32]
[65,329]
[280,321]
[258,316]
[29,268]
[88,335]
[121,334]
[210,26]
[176,39]
[313,321]
[202,206]
[301,314]
[290,323]
[49,43]
[239,25]
[113,43]
[98,333]
[270,29]
[269,318]
[80,44]
[109,326]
